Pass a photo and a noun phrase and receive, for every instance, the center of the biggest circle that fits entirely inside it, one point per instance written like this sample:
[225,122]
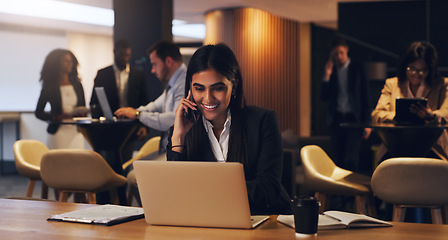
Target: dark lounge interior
[282,62]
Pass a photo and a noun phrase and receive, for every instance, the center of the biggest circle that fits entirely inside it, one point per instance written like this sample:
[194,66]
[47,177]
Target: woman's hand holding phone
[182,123]
[422,111]
[192,115]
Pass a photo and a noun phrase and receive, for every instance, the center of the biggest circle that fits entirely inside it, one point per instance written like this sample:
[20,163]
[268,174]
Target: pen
[337,219]
[80,220]
[83,220]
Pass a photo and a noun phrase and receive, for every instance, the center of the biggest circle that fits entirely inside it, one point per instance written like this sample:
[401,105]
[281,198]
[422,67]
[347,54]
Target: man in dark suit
[125,86]
[345,87]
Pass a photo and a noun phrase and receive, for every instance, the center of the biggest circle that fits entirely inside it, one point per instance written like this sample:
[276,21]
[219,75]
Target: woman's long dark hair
[49,75]
[420,50]
[221,59]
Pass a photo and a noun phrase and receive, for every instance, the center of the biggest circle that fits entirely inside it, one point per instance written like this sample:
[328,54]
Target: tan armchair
[150,146]
[412,182]
[323,177]
[79,171]
[28,154]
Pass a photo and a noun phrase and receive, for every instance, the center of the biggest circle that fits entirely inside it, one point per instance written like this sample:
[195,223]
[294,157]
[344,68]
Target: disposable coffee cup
[306,214]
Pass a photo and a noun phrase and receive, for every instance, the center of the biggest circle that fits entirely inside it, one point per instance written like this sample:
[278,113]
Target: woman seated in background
[224,129]
[417,77]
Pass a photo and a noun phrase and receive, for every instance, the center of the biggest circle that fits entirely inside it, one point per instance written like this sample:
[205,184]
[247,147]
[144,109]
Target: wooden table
[25,219]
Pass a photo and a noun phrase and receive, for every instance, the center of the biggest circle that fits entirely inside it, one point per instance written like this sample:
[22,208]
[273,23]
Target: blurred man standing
[125,86]
[167,65]
[345,87]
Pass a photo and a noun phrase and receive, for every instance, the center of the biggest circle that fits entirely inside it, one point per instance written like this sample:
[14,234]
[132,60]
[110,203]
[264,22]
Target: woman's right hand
[60,117]
[423,112]
[181,123]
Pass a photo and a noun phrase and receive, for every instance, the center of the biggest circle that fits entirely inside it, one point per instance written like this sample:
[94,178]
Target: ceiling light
[60,11]
[189,30]
[72,12]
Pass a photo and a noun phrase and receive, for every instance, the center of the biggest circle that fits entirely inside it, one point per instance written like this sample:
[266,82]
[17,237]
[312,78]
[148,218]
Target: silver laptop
[105,107]
[196,194]
[104,103]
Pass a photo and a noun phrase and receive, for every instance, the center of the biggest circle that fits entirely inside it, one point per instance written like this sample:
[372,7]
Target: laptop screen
[199,194]
[104,103]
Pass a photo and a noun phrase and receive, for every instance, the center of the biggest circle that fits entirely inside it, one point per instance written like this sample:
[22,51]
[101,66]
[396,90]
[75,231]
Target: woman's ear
[233,91]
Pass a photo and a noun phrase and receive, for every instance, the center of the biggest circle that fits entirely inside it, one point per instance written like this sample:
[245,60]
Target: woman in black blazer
[62,89]
[222,128]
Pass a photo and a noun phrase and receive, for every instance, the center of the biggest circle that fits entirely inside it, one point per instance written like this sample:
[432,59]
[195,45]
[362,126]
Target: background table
[408,140]
[405,140]
[24,219]
[108,138]
[7,117]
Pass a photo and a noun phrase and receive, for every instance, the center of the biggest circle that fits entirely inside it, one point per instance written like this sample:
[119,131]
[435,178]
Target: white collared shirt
[121,77]
[421,89]
[160,113]
[221,147]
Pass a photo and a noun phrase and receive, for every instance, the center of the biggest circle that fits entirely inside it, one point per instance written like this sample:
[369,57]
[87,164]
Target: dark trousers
[346,142]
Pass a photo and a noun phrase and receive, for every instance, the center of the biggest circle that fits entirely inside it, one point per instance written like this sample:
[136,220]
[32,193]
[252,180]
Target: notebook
[339,220]
[196,194]
[403,116]
[100,214]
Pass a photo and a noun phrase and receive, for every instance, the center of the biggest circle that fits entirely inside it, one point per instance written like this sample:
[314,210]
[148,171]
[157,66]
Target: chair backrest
[316,161]
[412,181]
[78,170]
[151,146]
[28,154]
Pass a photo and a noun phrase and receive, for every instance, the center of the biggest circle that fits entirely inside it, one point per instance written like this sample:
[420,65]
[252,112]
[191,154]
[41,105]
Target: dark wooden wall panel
[268,50]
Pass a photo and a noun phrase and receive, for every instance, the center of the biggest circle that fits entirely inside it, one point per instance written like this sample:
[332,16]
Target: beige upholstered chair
[323,177]
[28,154]
[151,146]
[79,171]
[412,182]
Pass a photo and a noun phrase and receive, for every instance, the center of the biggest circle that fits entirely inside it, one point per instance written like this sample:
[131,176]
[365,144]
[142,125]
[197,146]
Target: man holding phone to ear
[346,89]
[167,65]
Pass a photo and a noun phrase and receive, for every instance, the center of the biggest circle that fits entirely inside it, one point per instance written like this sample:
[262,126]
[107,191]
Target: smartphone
[192,115]
[333,57]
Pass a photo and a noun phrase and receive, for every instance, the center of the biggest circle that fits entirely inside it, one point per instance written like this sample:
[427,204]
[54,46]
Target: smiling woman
[63,91]
[212,93]
[229,131]
[417,77]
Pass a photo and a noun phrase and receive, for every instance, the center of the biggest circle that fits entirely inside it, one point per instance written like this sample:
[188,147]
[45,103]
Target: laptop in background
[403,116]
[195,194]
[105,107]
[104,103]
